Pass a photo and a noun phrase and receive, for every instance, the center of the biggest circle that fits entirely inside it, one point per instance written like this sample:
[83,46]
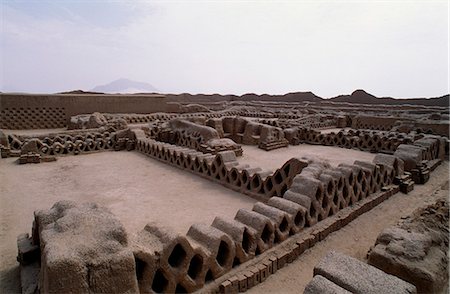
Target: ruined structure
[299,203]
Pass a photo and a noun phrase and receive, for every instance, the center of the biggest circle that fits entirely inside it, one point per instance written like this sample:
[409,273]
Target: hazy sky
[388,48]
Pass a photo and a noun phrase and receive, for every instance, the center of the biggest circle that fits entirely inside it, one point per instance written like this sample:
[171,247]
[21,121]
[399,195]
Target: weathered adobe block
[98,259]
[330,192]
[218,246]
[338,201]
[262,225]
[349,190]
[304,201]
[244,237]
[390,160]
[370,171]
[321,285]
[358,277]
[312,188]
[296,212]
[411,155]
[164,259]
[282,222]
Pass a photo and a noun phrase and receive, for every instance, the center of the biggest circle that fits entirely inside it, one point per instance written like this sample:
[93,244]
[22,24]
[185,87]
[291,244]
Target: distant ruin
[83,247]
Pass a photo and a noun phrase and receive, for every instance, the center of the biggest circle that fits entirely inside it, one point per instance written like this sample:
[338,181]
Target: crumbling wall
[416,249]
[83,249]
[68,143]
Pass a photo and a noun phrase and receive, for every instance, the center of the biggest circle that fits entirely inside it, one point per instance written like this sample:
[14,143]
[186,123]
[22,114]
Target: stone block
[250,279]
[226,288]
[330,225]
[256,275]
[234,284]
[294,252]
[27,251]
[269,265]
[358,277]
[311,240]
[242,282]
[406,187]
[303,244]
[282,258]
[274,261]
[263,272]
[321,285]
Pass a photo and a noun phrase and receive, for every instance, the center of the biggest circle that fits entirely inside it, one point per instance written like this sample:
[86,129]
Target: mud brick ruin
[76,247]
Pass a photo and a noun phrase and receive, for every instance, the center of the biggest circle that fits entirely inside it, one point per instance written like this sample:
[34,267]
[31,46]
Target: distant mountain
[289,97]
[125,86]
[362,97]
[359,96]
[78,92]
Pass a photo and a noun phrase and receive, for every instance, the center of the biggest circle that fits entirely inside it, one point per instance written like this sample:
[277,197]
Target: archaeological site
[165,193]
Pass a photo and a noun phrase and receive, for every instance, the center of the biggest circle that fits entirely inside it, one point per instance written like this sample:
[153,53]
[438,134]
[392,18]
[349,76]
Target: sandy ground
[356,238]
[136,188]
[274,159]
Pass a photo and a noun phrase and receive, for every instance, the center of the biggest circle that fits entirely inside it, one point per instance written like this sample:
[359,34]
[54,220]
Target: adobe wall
[40,111]
[374,122]
[385,123]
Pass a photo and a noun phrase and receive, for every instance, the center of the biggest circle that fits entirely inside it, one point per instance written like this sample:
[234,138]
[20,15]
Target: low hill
[362,97]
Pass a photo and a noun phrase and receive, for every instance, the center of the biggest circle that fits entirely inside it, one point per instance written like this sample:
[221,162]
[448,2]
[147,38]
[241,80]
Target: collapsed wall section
[416,249]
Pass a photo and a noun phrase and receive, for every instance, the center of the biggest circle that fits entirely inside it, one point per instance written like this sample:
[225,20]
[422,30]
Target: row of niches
[32,118]
[142,118]
[368,126]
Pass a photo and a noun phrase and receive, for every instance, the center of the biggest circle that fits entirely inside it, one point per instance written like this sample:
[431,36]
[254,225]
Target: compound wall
[36,111]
